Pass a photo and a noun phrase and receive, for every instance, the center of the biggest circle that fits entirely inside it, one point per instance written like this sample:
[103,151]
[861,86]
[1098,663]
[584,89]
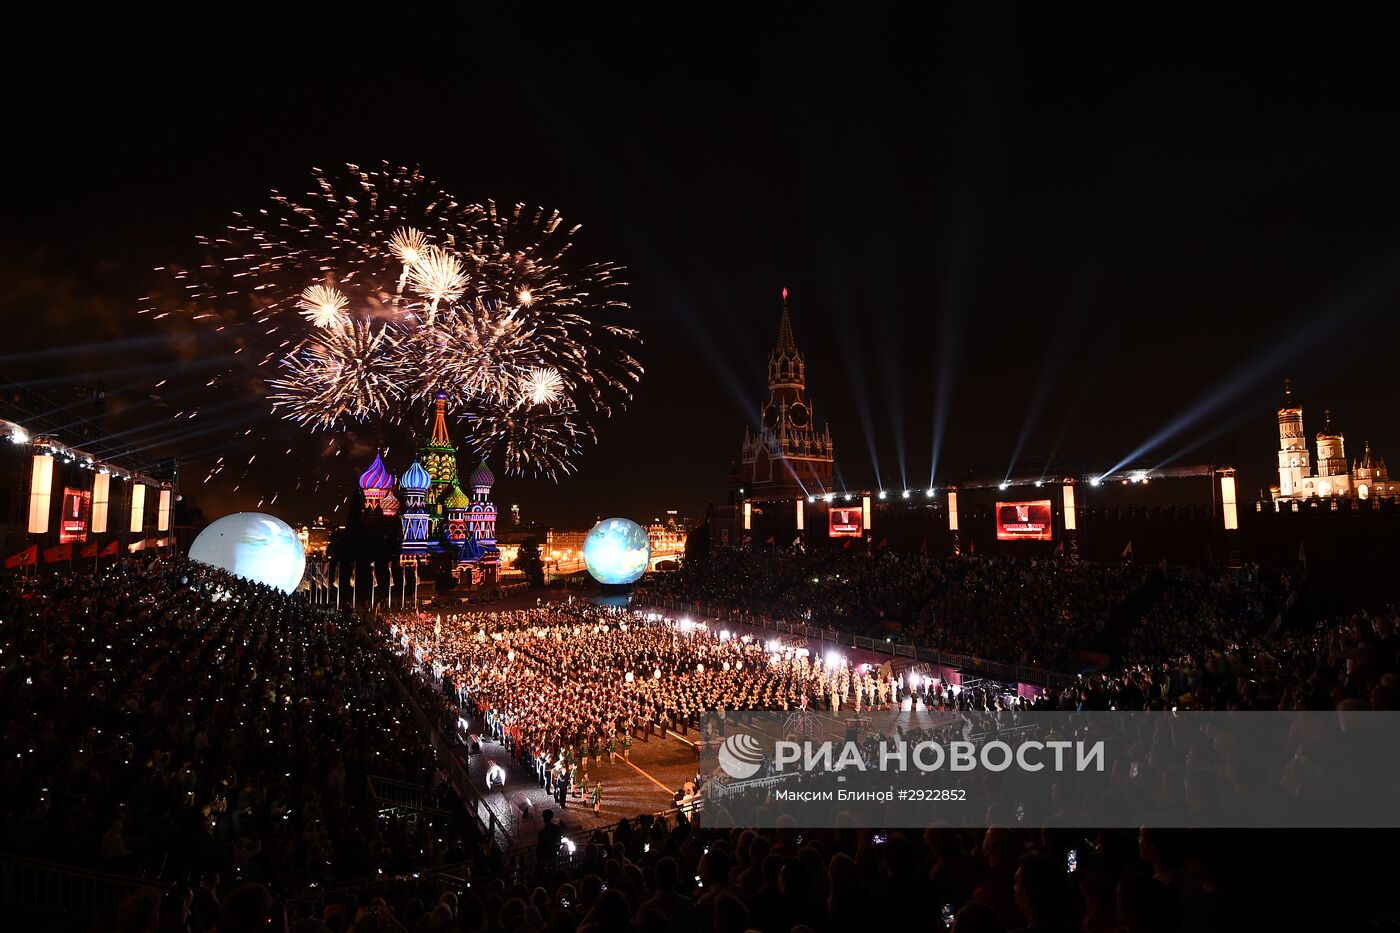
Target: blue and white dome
[415,478]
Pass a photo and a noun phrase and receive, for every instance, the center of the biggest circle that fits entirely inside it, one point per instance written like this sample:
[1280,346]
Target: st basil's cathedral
[438,517]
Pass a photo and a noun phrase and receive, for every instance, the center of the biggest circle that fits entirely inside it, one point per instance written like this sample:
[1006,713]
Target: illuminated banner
[1024,521]
[845,523]
[77,506]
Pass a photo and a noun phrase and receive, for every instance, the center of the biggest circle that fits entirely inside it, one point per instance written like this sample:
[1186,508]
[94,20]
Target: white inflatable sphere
[254,546]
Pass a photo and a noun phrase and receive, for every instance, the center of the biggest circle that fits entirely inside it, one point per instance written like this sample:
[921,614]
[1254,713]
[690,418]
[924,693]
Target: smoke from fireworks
[429,294]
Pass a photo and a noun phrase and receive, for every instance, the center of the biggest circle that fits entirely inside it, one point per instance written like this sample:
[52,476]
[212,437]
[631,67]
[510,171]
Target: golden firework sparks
[322,305]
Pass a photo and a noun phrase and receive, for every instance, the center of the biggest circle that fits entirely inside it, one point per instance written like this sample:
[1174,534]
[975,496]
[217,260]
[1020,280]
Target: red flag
[109,551]
[25,558]
[89,550]
[62,552]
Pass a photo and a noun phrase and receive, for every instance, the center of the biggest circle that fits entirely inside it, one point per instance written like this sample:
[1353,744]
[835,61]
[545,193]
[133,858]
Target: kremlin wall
[1337,520]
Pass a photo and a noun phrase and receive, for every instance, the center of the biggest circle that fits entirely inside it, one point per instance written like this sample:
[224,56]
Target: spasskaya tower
[787,457]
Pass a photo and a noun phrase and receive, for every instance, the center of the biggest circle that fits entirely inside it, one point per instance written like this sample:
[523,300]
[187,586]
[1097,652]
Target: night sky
[1064,235]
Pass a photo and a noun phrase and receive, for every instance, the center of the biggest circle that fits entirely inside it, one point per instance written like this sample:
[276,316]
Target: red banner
[62,552]
[1024,521]
[110,550]
[25,558]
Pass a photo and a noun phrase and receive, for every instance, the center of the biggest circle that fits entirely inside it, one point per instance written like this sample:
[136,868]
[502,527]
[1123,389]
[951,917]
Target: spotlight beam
[1299,337]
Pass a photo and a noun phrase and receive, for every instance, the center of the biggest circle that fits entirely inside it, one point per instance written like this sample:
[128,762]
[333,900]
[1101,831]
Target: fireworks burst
[408,245]
[437,276]
[346,372]
[430,295]
[322,305]
[542,385]
[539,442]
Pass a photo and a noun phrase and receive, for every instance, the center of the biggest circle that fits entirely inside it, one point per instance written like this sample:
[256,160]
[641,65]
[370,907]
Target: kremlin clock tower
[788,456]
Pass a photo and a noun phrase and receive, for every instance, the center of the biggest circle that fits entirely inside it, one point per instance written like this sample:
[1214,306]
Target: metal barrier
[520,864]
[391,794]
[724,789]
[458,777]
[28,884]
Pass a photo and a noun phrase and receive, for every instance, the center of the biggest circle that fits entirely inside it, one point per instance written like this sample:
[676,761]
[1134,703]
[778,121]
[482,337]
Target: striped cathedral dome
[415,478]
[482,475]
[376,477]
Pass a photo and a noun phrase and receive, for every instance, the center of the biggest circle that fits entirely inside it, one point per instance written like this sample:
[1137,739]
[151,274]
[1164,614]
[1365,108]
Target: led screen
[1024,521]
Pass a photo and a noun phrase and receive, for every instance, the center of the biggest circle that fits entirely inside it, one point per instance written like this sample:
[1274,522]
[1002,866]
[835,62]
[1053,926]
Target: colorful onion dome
[482,475]
[389,504]
[415,478]
[455,498]
[376,477]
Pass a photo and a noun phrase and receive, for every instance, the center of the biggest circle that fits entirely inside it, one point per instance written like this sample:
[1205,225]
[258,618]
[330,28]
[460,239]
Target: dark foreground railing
[36,887]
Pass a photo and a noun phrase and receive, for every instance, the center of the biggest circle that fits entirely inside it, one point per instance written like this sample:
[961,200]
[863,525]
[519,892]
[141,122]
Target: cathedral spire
[440,438]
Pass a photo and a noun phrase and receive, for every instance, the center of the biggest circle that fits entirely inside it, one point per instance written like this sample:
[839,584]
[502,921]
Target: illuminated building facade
[666,540]
[438,456]
[480,517]
[417,524]
[1333,478]
[437,514]
[377,486]
[787,456]
[563,549]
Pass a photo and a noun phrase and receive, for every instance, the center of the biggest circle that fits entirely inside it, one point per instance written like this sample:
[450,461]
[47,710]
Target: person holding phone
[975,917]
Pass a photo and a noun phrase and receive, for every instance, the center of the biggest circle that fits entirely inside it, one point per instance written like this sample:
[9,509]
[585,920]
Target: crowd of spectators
[165,719]
[1041,612]
[658,876]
